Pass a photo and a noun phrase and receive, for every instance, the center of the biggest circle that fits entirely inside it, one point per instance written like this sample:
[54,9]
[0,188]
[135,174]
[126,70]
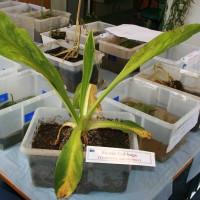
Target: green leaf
[17,45]
[88,63]
[69,166]
[76,98]
[126,126]
[155,47]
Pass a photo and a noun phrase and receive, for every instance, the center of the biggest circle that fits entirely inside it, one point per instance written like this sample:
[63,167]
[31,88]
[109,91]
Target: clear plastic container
[183,56]
[8,67]
[189,80]
[168,135]
[29,90]
[42,162]
[58,20]
[110,45]
[71,72]
[97,27]
[8,3]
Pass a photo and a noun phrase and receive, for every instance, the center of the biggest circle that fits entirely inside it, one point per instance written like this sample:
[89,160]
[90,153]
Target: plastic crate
[71,72]
[110,45]
[60,19]
[167,135]
[8,67]
[43,161]
[184,56]
[22,8]
[97,27]
[32,91]
[6,4]
[189,80]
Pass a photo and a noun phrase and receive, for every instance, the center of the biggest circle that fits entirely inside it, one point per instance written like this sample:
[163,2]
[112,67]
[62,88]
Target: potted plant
[68,170]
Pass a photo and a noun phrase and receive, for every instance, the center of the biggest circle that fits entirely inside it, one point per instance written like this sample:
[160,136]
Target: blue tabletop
[144,182]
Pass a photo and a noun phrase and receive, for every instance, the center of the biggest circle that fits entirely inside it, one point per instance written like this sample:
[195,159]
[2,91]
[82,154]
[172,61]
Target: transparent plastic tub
[97,27]
[6,4]
[110,45]
[8,67]
[42,162]
[71,72]
[58,20]
[167,135]
[29,90]
[183,56]
[189,80]
[22,8]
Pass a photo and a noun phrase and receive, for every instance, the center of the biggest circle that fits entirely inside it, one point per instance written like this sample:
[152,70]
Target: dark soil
[95,176]
[130,43]
[45,15]
[58,35]
[57,50]
[106,137]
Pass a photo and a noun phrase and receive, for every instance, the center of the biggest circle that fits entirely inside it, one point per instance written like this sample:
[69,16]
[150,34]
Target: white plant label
[119,156]
[182,131]
[190,57]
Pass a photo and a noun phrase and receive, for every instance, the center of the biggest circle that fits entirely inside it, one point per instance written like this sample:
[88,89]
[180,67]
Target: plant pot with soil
[42,154]
[69,166]
[47,20]
[70,66]
[180,80]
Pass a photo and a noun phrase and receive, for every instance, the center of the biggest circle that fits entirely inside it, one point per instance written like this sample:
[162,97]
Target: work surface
[144,182]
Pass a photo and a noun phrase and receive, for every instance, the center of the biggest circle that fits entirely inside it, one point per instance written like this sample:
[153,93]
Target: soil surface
[57,50]
[47,133]
[130,43]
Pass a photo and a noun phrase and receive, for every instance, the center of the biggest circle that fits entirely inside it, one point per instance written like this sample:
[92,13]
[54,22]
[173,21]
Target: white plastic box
[33,91]
[42,162]
[8,67]
[189,80]
[58,20]
[184,56]
[22,8]
[110,45]
[97,27]
[71,72]
[6,4]
[182,105]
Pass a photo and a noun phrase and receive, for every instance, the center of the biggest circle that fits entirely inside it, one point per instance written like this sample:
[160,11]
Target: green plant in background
[17,45]
[177,14]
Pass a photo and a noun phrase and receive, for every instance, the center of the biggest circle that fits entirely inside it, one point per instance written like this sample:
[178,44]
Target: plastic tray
[8,67]
[71,72]
[183,56]
[110,45]
[189,80]
[43,161]
[97,27]
[33,91]
[182,105]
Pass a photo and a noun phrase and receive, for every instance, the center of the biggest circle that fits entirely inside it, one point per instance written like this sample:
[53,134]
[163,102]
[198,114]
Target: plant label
[119,156]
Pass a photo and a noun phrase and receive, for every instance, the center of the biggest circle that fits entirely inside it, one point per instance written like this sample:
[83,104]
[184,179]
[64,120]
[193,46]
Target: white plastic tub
[189,80]
[58,20]
[182,56]
[6,4]
[110,45]
[71,72]
[182,105]
[42,162]
[97,27]
[8,67]
[33,91]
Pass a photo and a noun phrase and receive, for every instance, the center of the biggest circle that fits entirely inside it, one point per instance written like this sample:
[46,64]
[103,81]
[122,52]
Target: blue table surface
[144,182]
